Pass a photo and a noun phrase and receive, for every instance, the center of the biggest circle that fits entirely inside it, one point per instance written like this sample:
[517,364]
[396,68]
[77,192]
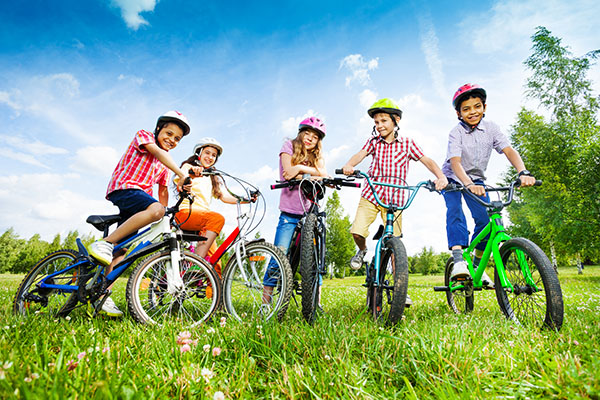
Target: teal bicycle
[387,274]
[527,287]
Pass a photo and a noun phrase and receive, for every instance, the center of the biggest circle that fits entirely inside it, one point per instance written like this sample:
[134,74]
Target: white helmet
[208,141]
[177,117]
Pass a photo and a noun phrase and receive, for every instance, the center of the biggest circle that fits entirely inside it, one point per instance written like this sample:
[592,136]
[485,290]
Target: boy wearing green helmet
[391,155]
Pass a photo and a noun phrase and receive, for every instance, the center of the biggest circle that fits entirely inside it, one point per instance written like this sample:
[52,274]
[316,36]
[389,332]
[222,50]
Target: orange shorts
[202,221]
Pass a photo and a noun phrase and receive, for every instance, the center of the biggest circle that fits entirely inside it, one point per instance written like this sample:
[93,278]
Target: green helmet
[385,106]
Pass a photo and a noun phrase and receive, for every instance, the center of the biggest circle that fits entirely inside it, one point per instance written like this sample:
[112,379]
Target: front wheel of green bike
[244,295]
[461,300]
[389,296]
[536,298]
[150,301]
[309,269]
[32,299]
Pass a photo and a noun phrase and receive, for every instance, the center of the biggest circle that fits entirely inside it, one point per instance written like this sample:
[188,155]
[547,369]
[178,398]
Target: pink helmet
[315,124]
[466,89]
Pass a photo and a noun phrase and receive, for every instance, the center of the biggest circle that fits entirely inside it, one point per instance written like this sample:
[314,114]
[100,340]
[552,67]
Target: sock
[457,255]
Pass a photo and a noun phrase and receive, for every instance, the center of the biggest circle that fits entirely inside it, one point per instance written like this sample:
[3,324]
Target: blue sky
[79,78]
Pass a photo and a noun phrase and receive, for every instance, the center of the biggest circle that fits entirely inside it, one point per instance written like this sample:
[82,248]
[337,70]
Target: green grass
[431,354]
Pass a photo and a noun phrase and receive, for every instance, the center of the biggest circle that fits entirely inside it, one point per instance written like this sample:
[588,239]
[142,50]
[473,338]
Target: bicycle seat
[102,222]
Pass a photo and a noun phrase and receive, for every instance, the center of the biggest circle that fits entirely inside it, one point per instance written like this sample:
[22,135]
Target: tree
[427,262]
[339,243]
[563,151]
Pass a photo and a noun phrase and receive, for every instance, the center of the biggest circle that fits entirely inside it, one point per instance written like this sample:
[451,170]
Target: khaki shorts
[366,214]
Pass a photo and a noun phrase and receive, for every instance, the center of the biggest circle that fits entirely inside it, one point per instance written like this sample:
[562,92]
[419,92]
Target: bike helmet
[385,106]
[177,117]
[315,124]
[208,141]
[466,89]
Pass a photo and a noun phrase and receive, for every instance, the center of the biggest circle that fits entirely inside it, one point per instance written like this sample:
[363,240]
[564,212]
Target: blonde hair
[303,156]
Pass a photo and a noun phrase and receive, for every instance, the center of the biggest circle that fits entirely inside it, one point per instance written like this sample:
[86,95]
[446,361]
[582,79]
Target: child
[302,155]
[391,156]
[204,188]
[470,145]
[144,164]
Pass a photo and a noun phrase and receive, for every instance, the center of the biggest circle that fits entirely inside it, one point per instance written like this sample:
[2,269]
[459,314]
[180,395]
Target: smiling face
[385,126]
[208,156]
[471,111]
[169,136]
[309,139]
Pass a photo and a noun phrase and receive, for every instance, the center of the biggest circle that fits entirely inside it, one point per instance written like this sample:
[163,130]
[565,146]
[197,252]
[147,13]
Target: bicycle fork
[173,272]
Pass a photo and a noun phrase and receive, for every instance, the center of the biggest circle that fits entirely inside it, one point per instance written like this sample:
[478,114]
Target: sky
[78,78]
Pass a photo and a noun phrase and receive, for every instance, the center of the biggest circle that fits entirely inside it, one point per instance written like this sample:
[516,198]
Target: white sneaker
[460,270]
[110,308]
[408,302]
[357,261]
[102,251]
[485,278]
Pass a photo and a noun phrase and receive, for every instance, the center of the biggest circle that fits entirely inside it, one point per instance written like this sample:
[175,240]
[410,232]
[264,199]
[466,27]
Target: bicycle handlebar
[492,204]
[335,182]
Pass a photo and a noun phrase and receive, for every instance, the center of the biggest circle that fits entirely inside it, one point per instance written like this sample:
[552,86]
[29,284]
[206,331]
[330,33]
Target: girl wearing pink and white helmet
[299,156]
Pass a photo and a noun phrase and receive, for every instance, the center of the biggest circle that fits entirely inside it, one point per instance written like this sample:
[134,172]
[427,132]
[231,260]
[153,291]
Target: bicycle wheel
[536,302]
[389,296]
[244,295]
[308,268]
[31,299]
[149,300]
[461,300]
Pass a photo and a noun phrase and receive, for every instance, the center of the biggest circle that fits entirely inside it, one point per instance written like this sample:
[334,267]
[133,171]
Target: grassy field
[431,354]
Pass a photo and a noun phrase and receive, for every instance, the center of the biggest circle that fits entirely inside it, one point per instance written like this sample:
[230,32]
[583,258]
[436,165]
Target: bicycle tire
[149,301]
[543,308]
[308,268]
[243,298]
[52,302]
[461,301]
[389,296]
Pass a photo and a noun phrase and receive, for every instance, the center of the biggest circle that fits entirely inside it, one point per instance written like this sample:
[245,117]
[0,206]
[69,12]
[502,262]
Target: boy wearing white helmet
[145,163]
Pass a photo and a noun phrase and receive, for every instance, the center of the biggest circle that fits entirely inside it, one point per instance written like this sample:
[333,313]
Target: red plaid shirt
[138,169]
[389,165]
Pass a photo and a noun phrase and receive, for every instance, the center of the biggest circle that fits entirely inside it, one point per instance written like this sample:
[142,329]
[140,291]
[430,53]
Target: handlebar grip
[350,184]
[280,185]
[339,171]
[538,182]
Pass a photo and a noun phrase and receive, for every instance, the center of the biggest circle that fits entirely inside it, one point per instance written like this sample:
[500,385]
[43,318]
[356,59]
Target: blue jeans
[456,224]
[283,238]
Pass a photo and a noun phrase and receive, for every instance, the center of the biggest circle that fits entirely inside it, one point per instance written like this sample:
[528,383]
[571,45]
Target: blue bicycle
[387,274]
[170,283]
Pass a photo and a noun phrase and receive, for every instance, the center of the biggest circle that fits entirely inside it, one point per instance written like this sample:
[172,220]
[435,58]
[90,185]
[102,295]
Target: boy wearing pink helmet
[391,155]
[470,145]
[299,156]
[144,164]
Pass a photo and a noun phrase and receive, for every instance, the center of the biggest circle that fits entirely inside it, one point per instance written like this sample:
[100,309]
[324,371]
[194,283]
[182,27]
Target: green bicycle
[526,284]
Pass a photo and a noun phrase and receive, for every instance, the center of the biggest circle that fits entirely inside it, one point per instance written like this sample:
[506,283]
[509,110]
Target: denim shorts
[130,202]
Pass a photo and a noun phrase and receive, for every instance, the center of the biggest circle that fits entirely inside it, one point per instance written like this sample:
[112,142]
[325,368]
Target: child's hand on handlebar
[195,171]
[476,189]
[441,183]
[527,180]
[348,169]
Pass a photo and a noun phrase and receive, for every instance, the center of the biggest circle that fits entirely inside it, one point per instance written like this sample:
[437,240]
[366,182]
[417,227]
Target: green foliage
[339,243]
[427,262]
[564,152]
[19,255]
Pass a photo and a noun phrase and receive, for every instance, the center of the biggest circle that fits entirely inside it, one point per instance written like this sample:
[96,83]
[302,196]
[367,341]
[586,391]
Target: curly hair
[301,155]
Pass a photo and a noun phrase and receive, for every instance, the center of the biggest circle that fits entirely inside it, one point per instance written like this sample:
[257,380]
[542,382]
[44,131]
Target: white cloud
[99,159]
[367,97]
[131,78]
[289,126]
[359,69]
[34,147]
[131,10]
[429,45]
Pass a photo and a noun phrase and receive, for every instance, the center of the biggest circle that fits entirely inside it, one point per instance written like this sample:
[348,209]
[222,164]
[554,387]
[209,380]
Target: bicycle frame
[391,210]
[497,235]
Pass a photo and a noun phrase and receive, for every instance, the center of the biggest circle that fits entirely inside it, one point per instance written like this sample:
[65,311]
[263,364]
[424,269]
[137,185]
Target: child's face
[471,111]
[310,139]
[208,156]
[384,124]
[169,136]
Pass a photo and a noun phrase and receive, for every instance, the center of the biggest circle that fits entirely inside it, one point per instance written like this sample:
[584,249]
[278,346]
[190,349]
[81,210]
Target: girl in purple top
[299,156]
